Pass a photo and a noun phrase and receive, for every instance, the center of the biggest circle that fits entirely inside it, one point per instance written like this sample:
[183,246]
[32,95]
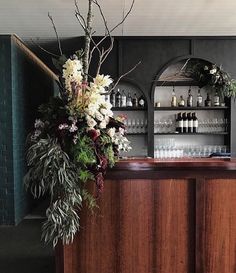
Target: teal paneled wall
[6,153]
[23,87]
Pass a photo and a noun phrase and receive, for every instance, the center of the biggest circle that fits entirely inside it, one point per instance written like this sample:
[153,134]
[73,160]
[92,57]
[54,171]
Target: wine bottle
[135,100]
[190,123]
[129,101]
[179,123]
[141,101]
[118,98]
[208,101]
[173,98]
[199,98]
[123,99]
[185,123]
[216,99]
[195,123]
[113,98]
[190,98]
[181,102]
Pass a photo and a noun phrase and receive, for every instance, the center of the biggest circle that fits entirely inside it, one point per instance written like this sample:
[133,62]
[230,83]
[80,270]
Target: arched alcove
[137,118]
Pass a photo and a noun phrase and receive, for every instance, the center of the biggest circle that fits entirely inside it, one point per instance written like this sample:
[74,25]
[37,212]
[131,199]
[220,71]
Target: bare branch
[122,76]
[55,30]
[107,34]
[88,38]
[45,50]
[79,16]
[124,18]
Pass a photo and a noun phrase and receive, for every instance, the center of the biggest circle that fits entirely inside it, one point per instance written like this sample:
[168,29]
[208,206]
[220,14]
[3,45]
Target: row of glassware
[166,148]
[213,125]
[136,126]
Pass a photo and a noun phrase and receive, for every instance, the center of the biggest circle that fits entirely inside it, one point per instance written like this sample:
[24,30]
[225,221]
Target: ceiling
[28,18]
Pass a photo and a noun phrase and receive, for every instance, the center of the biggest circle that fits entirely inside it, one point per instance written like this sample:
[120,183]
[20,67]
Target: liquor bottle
[113,98]
[135,100]
[190,123]
[129,101]
[190,98]
[208,101]
[141,101]
[118,98]
[173,98]
[181,102]
[123,99]
[185,123]
[216,99]
[199,98]
[195,123]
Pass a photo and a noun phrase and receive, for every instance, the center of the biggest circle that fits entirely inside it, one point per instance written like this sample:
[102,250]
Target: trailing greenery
[51,170]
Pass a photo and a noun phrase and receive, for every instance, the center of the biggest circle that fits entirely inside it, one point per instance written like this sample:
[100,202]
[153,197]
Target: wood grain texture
[175,226]
[216,226]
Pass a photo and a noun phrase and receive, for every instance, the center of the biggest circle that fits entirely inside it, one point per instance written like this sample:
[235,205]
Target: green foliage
[108,149]
[51,170]
[210,75]
[84,151]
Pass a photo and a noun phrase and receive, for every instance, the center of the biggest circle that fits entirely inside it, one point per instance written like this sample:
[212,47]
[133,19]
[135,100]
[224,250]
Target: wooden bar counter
[176,216]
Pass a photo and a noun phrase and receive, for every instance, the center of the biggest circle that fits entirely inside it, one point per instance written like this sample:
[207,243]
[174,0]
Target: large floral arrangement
[213,76]
[73,142]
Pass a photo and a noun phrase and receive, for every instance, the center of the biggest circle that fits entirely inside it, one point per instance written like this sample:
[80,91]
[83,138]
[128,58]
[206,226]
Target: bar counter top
[187,167]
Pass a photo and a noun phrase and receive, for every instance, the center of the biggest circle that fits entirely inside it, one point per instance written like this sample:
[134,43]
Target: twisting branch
[79,16]
[87,39]
[55,30]
[122,76]
[45,50]
[107,34]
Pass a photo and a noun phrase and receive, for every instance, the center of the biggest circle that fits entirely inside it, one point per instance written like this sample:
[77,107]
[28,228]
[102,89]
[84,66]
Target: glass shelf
[205,133]
[177,83]
[128,108]
[136,134]
[190,108]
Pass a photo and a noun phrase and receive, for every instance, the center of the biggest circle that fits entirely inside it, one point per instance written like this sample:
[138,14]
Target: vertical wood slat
[175,226]
[216,224]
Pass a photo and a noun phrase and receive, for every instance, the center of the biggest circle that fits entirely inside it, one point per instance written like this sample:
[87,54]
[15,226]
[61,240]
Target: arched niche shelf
[166,75]
[137,119]
[167,78]
[134,87]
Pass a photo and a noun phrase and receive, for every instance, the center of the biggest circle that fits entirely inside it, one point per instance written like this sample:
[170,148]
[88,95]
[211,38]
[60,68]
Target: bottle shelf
[136,134]
[185,134]
[190,108]
[129,108]
[177,83]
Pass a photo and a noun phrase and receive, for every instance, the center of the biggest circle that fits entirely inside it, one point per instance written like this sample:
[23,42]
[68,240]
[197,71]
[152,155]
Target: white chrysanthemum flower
[99,116]
[106,105]
[122,142]
[111,132]
[213,71]
[102,80]
[103,124]
[90,121]
[38,123]
[73,128]
[63,126]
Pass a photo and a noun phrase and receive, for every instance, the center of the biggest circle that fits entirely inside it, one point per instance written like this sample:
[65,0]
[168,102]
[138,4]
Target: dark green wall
[23,87]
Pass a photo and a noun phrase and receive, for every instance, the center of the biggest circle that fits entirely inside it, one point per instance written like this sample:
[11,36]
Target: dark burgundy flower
[93,134]
[103,162]
[113,123]
[99,180]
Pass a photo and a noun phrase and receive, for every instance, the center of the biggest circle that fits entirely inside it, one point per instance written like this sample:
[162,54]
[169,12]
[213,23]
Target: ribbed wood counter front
[174,216]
